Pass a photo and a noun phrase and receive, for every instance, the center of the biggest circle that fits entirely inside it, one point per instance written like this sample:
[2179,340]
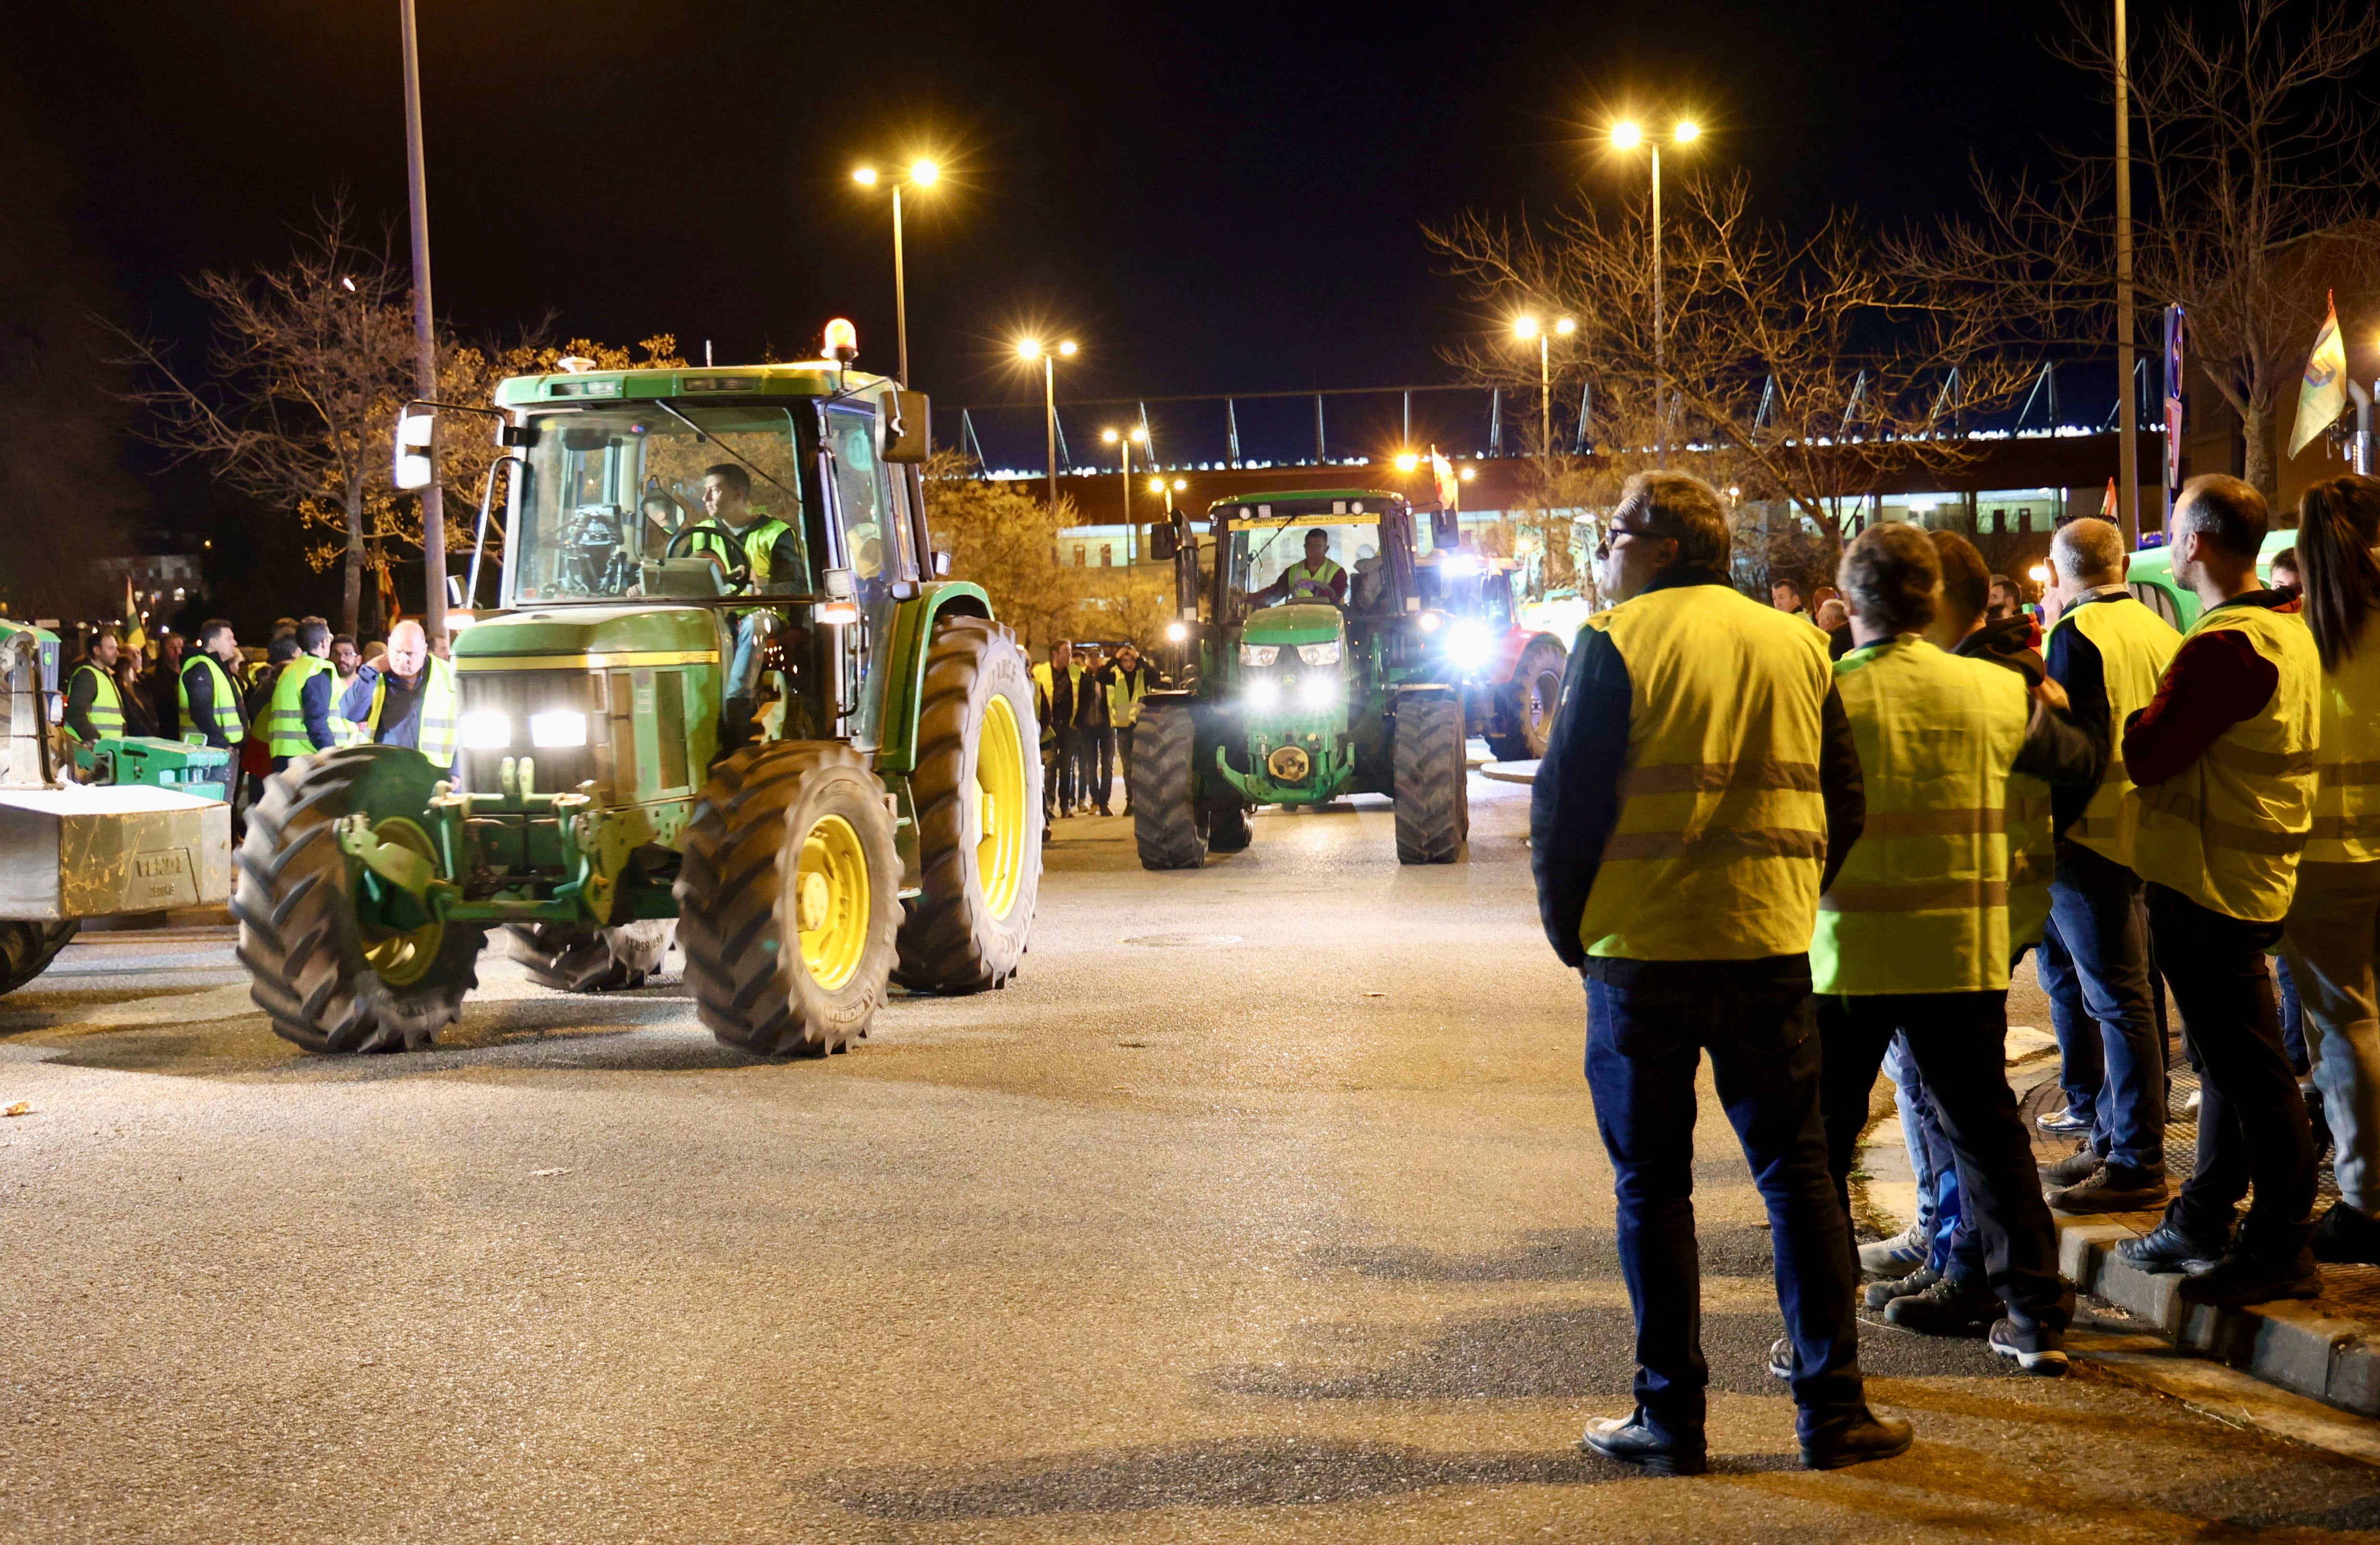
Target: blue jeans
[2293,1039]
[2116,1054]
[1942,1220]
[1645,1034]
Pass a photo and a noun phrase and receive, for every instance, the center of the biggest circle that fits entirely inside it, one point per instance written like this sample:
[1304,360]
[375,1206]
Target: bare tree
[2253,152]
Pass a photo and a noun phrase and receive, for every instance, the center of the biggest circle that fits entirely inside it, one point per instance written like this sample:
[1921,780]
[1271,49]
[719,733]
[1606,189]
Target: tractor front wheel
[1164,789]
[789,898]
[26,949]
[1227,828]
[331,974]
[977,791]
[1528,701]
[1432,789]
[591,959]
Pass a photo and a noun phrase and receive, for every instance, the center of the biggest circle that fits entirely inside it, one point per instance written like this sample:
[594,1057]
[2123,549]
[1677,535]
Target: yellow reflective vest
[2347,757]
[345,730]
[1320,576]
[285,721]
[106,703]
[2136,645]
[2226,831]
[1721,833]
[439,715]
[224,704]
[1921,904]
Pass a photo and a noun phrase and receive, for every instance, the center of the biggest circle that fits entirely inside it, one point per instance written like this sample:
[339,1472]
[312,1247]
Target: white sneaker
[1896,1257]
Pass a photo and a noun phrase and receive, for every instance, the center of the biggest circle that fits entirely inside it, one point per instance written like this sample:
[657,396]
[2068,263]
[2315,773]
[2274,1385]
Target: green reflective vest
[285,721]
[1318,576]
[222,705]
[1922,903]
[2347,758]
[106,704]
[2136,645]
[439,713]
[1124,694]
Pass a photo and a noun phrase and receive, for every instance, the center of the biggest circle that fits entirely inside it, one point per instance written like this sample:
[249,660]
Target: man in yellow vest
[1128,680]
[1913,938]
[344,660]
[94,706]
[772,561]
[2223,765]
[211,704]
[297,722]
[1058,690]
[2108,651]
[406,699]
[1313,578]
[1699,789]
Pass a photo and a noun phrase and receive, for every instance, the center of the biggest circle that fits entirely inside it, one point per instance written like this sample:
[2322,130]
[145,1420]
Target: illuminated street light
[1407,460]
[1687,131]
[1124,440]
[863,176]
[1031,349]
[922,174]
[1626,135]
[1526,327]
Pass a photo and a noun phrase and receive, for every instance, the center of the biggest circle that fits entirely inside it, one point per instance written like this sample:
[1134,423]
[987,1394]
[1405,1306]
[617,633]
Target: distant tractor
[1334,657]
[726,696]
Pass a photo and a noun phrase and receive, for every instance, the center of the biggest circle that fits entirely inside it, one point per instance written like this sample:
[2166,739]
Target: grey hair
[2089,550]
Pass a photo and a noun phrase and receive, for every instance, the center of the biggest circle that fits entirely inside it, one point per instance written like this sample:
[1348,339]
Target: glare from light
[1264,692]
[1175,633]
[2038,574]
[1181,483]
[1138,435]
[1524,327]
[838,612]
[1067,348]
[1028,349]
[1687,131]
[1110,436]
[1157,484]
[1468,644]
[1567,326]
[1407,460]
[1627,134]
[1318,692]
[1430,621]
[485,730]
[924,174]
[1462,565]
[560,727]
[1468,473]
[863,176]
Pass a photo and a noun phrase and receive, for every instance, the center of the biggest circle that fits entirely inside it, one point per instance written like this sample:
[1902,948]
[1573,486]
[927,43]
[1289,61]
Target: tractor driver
[772,552]
[1312,577]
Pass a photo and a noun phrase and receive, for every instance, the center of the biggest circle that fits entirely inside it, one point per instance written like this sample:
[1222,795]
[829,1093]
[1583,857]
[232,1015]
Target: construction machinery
[129,825]
[1334,655]
[775,734]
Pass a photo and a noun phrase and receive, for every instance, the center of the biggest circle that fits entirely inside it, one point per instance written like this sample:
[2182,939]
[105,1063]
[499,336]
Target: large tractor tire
[1432,792]
[591,959]
[26,949]
[329,978]
[789,897]
[1164,789]
[1528,701]
[977,791]
[1227,828]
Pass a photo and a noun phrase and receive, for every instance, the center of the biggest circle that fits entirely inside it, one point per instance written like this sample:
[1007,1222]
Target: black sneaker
[1954,1306]
[1855,1442]
[2347,1237]
[1781,1359]
[2170,1248]
[1631,1443]
[2073,1169]
[2038,1350]
[1882,1293]
[2255,1279]
[2118,1188]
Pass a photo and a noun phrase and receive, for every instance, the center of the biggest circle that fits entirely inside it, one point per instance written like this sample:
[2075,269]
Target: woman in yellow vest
[1912,936]
[2222,763]
[2332,937]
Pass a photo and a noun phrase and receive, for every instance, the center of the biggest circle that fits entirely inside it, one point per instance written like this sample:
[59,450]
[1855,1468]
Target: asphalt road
[1265,1205]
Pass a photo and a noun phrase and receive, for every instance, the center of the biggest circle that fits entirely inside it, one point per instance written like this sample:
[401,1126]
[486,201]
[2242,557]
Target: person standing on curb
[1699,790]
[1129,680]
[2222,761]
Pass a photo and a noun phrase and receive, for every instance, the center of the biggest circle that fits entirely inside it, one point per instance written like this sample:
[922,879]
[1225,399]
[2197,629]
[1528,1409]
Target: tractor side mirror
[942,565]
[415,431]
[1445,528]
[908,425]
[1164,542]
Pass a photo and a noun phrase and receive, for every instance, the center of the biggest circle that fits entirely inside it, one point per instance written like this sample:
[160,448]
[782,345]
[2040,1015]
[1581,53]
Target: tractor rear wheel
[1164,789]
[1432,780]
[789,898]
[977,791]
[591,959]
[1528,701]
[26,949]
[330,980]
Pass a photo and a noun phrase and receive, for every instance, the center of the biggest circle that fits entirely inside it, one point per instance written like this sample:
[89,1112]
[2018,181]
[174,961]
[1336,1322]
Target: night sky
[1211,196]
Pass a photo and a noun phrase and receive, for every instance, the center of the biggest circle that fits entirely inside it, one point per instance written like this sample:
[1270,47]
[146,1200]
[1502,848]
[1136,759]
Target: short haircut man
[1891,576]
[2226,511]
[313,635]
[1966,583]
[732,478]
[211,629]
[1684,509]
[1787,595]
[2285,567]
[2089,551]
[2003,598]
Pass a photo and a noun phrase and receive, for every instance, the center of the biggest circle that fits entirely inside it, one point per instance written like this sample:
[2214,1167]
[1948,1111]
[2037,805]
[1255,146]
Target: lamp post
[1627,135]
[2128,500]
[1527,327]
[1031,349]
[425,342]
[1125,439]
[922,174]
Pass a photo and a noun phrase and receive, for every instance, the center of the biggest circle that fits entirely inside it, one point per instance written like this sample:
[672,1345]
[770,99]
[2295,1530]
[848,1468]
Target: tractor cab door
[873,541]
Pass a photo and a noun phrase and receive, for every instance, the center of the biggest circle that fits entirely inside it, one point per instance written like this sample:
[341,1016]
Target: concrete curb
[2291,1345]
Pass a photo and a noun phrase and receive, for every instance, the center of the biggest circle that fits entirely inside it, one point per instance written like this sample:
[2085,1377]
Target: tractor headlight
[560,727]
[1259,654]
[1320,654]
[486,730]
[1468,644]
[1318,692]
[1264,692]
[1430,621]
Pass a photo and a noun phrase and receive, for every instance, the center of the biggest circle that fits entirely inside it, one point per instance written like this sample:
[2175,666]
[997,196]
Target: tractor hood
[597,637]
[1309,623]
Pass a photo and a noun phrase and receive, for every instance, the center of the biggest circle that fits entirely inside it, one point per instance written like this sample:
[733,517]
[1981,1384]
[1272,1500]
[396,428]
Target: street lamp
[922,174]
[1125,439]
[1626,135]
[1526,327]
[425,346]
[1031,349]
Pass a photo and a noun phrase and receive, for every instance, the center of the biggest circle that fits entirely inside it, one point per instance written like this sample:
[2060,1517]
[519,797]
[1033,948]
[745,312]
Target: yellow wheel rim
[830,902]
[996,795]
[403,958]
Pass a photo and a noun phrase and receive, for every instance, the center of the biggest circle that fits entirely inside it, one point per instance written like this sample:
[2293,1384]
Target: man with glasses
[1699,790]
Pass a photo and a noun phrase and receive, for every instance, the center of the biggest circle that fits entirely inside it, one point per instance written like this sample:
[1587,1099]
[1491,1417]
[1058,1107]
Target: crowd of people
[1088,700]
[1816,852]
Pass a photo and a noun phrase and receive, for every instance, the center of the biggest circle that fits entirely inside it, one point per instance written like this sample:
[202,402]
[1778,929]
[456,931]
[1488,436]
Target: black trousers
[1063,793]
[1960,1042]
[2251,1121]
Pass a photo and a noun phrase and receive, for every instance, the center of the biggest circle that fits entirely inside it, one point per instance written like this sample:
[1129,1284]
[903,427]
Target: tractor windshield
[1279,558]
[607,488]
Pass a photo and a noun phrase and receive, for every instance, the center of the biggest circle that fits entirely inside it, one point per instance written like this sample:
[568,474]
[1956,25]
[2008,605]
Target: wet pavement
[1265,1205]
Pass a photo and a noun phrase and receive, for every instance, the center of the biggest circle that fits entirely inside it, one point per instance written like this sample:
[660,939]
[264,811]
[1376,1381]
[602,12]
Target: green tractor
[775,731]
[1331,654]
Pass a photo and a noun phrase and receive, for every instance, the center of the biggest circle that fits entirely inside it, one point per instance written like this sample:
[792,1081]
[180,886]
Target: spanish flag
[2321,396]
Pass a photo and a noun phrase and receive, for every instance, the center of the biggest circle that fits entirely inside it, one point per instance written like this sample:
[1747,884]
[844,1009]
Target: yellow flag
[136,637]
[2321,396]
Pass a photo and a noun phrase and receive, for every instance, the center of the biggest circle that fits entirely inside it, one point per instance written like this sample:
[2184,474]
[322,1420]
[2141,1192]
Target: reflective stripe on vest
[285,721]
[106,704]
[1922,903]
[1721,834]
[2136,645]
[438,716]
[2347,757]
[2227,830]
[224,703]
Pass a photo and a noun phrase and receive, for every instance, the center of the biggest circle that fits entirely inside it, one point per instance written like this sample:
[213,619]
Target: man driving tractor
[1312,578]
